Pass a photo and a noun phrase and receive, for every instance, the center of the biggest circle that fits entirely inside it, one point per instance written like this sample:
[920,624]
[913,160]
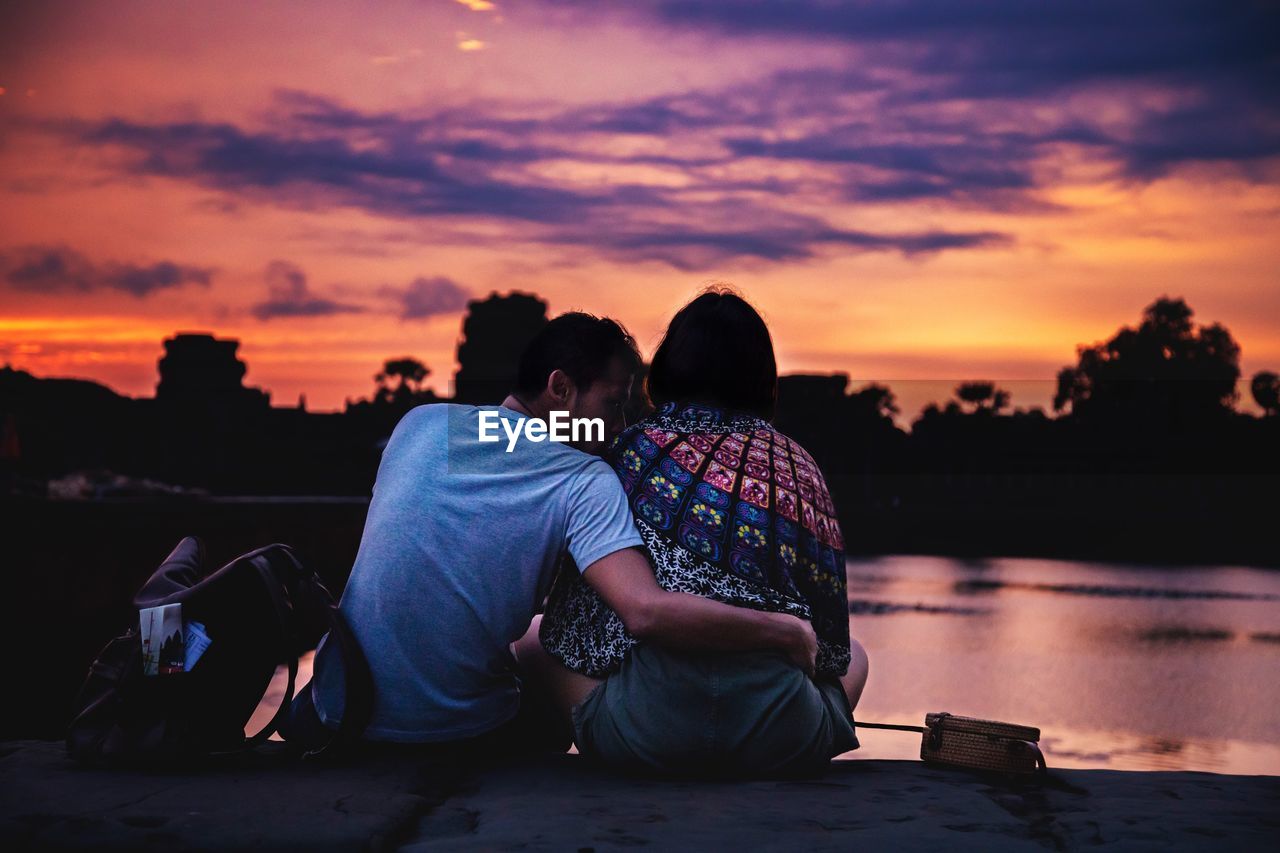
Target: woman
[733,510]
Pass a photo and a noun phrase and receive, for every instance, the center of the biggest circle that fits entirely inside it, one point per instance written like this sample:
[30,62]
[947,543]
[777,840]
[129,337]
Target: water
[1121,667]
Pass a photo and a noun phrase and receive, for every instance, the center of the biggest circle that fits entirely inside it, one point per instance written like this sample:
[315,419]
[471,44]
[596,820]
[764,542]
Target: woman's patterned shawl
[730,509]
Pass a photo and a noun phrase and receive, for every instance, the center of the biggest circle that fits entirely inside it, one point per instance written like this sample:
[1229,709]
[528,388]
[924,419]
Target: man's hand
[801,643]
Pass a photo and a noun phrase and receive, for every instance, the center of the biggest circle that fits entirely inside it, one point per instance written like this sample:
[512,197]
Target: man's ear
[559,387]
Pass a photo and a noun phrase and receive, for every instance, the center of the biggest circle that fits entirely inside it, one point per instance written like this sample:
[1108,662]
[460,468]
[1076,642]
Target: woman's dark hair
[581,345]
[717,350]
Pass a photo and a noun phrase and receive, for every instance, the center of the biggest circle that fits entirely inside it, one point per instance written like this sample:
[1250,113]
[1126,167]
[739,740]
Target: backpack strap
[283,610]
[358,701]
[284,621]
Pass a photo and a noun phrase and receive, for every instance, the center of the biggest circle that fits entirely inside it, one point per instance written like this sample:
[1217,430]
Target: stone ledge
[266,801]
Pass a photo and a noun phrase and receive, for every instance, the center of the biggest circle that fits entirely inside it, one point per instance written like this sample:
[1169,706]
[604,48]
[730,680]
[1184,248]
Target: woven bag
[976,744]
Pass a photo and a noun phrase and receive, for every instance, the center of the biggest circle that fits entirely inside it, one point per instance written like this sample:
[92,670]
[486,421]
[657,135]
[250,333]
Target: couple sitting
[697,621]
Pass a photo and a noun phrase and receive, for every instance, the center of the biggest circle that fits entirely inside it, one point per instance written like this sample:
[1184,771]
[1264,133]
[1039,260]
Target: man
[464,536]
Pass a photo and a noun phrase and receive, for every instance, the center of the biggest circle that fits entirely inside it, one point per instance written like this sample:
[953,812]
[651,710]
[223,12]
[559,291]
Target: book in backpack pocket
[168,644]
[163,648]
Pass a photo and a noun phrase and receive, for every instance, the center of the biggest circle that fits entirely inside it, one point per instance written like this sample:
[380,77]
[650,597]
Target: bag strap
[934,730]
[1041,766]
[358,702]
[276,592]
[861,725]
[284,621]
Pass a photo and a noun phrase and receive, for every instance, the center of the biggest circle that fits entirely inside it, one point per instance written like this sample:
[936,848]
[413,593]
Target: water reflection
[1183,634]
[974,586]
[275,693]
[863,607]
[1121,666]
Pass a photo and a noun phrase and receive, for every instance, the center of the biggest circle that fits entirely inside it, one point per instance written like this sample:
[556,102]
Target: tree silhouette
[495,332]
[983,396]
[408,373]
[875,400]
[1265,388]
[1164,371]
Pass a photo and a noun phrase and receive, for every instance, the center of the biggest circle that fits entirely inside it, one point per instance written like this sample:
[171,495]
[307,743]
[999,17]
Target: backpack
[258,611]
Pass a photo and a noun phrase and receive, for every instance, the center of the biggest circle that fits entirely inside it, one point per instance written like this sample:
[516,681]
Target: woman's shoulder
[706,427]
[700,419]
[788,446]
[795,468]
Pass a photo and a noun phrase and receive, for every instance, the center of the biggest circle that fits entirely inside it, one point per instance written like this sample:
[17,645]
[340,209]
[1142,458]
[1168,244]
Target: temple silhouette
[201,370]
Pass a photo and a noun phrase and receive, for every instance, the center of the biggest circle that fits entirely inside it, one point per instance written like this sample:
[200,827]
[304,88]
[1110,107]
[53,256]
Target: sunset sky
[907,190]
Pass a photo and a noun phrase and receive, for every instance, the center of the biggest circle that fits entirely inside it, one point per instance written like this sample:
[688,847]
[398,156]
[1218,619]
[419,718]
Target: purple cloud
[428,297]
[289,296]
[706,248]
[59,269]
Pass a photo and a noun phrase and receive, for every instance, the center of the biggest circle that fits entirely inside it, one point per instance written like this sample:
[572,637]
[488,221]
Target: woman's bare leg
[565,687]
[856,678]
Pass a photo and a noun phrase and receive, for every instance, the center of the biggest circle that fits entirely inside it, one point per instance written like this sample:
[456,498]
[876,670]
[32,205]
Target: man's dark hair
[581,345]
[717,350]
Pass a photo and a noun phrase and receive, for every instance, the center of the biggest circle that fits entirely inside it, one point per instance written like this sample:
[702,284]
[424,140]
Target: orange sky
[329,185]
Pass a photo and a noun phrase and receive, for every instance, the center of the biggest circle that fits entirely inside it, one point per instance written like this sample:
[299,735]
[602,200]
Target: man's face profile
[604,399]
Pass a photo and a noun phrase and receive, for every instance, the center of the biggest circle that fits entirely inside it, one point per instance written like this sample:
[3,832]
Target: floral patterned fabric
[730,509]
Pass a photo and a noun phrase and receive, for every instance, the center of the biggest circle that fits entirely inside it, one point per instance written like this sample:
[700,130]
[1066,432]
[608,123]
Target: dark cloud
[59,269]
[50,269]
[428,297]
[289,296]
[1222,131]
[1211,63]
[655,116]
[1018,46]
[743,233]
[396,177]
[142,280]
[906,169]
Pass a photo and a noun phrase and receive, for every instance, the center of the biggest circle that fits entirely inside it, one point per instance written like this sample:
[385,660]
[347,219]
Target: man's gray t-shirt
[460,546]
